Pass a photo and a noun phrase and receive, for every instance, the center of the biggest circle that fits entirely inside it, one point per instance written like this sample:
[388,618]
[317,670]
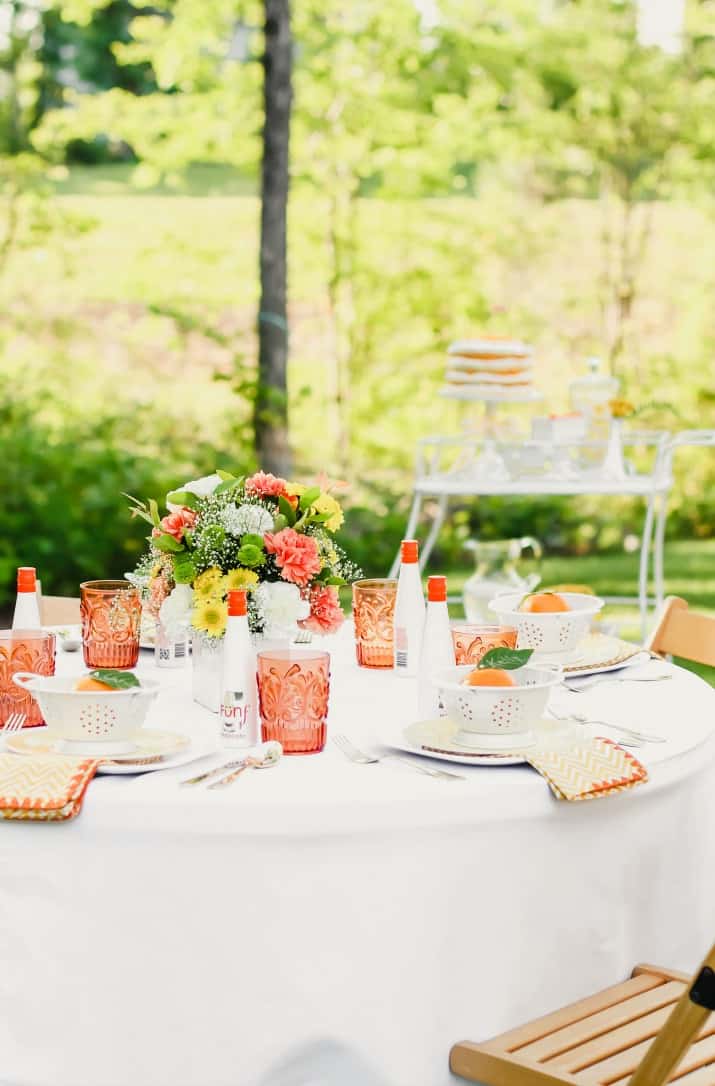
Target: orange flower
[296,555]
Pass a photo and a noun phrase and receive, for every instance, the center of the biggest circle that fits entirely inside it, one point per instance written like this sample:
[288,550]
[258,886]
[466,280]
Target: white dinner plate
[165,749]
[435,739]
[597,654]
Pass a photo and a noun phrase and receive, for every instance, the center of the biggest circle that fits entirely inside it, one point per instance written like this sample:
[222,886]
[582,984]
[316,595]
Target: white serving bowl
[88,720]
[495,715]
[553,632]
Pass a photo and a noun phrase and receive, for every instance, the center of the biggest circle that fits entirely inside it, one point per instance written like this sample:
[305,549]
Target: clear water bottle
[170,651]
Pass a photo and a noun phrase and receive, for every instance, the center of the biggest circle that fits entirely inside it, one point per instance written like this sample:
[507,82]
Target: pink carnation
[265,485]
[175,523]
[296,555]
[326,615]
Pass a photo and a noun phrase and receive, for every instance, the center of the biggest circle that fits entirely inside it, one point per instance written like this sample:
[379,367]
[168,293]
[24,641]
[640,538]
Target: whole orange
[86,683]
[489,676]
[542,603]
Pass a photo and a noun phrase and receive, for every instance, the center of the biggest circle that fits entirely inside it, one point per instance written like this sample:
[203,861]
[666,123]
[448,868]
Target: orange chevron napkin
[587,769]
[45,788]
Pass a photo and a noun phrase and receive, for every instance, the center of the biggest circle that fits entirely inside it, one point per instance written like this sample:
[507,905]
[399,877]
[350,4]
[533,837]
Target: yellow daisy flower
[209,584]
[326,503]
[210,617]
[240,578]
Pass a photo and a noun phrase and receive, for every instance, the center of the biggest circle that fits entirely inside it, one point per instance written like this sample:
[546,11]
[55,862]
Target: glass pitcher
[497,573]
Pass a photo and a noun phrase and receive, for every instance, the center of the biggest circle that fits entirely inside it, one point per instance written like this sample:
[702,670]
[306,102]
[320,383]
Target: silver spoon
[271,757]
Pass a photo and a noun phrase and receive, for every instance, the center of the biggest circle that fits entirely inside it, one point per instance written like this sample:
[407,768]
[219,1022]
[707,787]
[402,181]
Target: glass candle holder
[111,616]
[293,688]
[373,614]
[471,640]
[23,650]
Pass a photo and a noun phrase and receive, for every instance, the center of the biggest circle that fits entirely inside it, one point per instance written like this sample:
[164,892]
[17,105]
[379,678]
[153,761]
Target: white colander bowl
[498,716]
[89,721]
[553,633]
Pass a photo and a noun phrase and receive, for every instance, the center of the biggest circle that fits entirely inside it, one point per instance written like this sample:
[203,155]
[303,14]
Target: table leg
[659,547]
[645,564]
[434,531]
[412,522]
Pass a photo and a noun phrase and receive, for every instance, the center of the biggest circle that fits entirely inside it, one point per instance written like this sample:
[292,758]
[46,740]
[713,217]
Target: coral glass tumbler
[111,615]
[472,641]
[23,650]
[293,689]
[374,616]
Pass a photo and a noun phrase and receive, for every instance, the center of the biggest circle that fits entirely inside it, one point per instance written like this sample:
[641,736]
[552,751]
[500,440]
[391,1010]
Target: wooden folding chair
[654,1028]
[60,611]
[681,632]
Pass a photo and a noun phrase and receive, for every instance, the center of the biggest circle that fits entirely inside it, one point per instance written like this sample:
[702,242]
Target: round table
[327,923]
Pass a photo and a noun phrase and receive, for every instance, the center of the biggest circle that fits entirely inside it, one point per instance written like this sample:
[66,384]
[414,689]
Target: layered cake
[490,366]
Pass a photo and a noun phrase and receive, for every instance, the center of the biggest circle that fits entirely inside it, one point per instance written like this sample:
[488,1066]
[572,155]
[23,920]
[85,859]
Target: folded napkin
[587,769]
[43,788]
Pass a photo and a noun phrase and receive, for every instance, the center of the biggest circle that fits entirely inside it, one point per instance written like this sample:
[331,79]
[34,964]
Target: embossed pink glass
[23,650]
[293,688]
[373,613]
[111,614]
[471,641]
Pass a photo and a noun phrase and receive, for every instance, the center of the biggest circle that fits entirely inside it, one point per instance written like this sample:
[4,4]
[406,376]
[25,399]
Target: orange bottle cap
[237,606]
[437,589]
[409,551]
[27,579]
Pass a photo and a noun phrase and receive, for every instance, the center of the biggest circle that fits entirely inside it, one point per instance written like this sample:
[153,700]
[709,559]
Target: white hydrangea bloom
[175,611]
[238,520]
[282,607]
[202,487]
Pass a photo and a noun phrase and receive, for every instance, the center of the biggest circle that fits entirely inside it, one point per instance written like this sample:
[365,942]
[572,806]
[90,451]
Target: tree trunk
[271,410]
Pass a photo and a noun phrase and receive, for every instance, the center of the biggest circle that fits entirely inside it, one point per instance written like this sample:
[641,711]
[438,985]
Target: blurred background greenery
[512,167]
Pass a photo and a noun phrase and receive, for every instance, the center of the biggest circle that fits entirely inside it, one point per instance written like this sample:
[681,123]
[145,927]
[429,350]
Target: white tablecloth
[326,924]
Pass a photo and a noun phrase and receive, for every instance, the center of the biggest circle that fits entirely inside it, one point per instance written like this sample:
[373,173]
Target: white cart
[449,469]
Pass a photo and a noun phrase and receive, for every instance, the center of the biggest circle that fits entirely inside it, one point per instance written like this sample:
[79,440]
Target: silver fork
[360,758]
[630,733]
[13,723]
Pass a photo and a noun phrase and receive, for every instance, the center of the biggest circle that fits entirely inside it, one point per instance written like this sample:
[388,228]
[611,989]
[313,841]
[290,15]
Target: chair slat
[566,1016]
[666,974]
[608,1044]
[585,1029]
[470,1061]
[608,1071]
[680,632]
[704,1076]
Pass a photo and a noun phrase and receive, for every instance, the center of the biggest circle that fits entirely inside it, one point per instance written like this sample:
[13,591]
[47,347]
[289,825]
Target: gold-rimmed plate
[152,749]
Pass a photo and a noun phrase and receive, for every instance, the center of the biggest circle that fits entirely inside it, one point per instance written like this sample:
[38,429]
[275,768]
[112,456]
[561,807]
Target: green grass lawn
[689,572]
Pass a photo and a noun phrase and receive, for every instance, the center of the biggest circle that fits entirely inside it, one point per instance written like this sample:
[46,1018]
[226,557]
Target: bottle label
[234,714]
[401,654]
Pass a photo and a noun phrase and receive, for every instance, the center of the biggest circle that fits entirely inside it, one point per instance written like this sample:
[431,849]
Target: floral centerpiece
[262,533]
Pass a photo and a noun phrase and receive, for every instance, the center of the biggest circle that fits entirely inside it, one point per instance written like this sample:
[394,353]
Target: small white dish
[100,719]
[495,715]
[550,633]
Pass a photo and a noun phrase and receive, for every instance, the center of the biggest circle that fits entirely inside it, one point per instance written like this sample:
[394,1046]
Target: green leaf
[252,539]
[154,513]
[279,522]
[139,509]
[250,556]
[223,488]
[508,659]
[184,568]
[309,496]
[226,476]
[320,518]
[339,581]
[287,510]
[167,543]
[182,497]
[118,680]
